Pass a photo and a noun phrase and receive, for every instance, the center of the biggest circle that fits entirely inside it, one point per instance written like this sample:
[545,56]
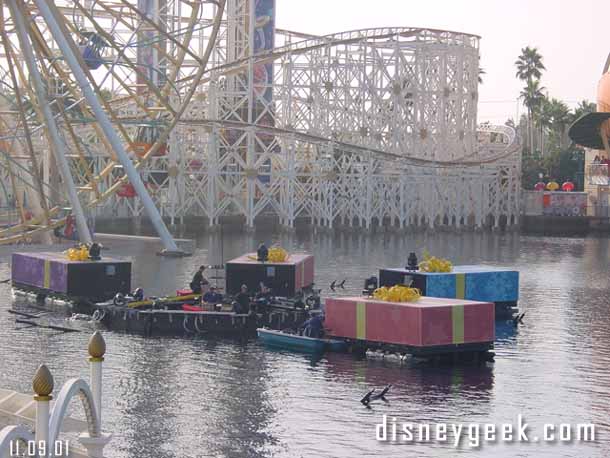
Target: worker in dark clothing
[262,254]
[212,296]
[242,301]
[198,281]
[314,326]
[138,294]
[264,292]
[94,251]
[262,299]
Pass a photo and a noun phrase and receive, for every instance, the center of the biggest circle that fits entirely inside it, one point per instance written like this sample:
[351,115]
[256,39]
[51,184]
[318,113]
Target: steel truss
[363,128]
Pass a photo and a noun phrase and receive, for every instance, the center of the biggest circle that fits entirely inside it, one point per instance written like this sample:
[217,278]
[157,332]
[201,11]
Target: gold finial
[97,346]
[43,383]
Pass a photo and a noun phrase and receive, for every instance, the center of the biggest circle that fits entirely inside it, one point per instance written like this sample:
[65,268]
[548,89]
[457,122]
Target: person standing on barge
[242,301]
[199,281]
[262,254]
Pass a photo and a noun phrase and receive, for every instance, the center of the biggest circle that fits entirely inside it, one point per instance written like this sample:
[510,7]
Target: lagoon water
[174,397]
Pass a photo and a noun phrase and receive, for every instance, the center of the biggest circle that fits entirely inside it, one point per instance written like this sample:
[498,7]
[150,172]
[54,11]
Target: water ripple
[174,398]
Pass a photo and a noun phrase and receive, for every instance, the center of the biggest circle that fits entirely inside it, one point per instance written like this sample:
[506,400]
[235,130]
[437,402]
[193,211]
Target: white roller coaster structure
[225,115]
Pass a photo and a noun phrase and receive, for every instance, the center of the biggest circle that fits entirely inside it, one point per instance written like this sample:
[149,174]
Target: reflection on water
[170,397]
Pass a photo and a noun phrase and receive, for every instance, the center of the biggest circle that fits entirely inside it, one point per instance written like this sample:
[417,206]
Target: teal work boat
[279,339]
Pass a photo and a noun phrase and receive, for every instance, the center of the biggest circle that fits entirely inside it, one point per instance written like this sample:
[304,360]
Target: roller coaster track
[506,150]
[343,38]
[492,153]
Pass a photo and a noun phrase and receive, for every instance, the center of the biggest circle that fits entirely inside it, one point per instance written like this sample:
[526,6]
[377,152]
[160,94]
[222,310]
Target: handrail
[11,434]
[71,388]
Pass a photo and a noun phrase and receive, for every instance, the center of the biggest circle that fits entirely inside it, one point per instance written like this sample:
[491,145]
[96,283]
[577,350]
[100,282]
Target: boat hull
[279,339]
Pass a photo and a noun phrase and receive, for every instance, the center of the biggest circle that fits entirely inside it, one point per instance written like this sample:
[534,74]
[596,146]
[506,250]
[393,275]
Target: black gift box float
[54,273]
[284,278]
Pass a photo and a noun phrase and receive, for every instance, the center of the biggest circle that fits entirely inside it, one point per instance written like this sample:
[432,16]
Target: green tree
[544,121]
[561,118]
[582,109]
[529,64]
[532,96]
[529,69]
[531,167]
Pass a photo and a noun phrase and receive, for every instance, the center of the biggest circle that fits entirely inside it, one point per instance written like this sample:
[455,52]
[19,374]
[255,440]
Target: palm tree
[532,96]
[529,64]
[583,108]
[529,69]
[545,120]
[560,119]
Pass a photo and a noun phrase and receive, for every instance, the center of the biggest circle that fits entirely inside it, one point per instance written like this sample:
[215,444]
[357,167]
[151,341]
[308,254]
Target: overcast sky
[572,35]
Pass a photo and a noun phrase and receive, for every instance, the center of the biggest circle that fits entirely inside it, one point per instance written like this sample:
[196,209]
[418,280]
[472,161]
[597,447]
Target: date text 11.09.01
[35,449]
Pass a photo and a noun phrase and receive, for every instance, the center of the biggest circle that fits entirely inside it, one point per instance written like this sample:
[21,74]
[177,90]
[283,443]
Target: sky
[573,37]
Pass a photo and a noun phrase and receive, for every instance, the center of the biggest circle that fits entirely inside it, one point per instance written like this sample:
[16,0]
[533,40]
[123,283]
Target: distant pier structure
[217,112]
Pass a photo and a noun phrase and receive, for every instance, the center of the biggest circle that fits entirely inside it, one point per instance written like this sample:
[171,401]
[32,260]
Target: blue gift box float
[478,283]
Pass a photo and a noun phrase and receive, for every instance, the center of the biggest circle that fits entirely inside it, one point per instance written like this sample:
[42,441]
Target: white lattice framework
[364,128]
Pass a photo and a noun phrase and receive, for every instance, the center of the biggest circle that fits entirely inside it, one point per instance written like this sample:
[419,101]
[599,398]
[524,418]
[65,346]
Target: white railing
[43,441]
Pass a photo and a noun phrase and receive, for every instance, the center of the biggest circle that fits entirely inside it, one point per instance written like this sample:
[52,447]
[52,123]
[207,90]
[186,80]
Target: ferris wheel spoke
[141,76]
[35,171]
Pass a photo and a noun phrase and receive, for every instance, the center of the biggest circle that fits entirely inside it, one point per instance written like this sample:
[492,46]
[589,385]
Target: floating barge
[178,322]
[90,287]
[53,274]
[178,316]
[476,283]
[285,279]
[428,326]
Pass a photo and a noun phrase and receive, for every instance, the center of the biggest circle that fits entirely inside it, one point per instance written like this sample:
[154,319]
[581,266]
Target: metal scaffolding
[223,114]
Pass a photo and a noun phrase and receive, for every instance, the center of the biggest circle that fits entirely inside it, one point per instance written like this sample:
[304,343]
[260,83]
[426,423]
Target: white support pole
[43,385]
[97,349]
[212,168]
[42,424]
[58,145]
[369,192]
[95,444]
[102,118]
[96,386]
[251,142]
[292,178]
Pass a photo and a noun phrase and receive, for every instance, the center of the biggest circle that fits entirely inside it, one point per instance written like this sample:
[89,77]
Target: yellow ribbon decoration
[275,254]
[397,293]
[278,255]
[78,254]
[434,264]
